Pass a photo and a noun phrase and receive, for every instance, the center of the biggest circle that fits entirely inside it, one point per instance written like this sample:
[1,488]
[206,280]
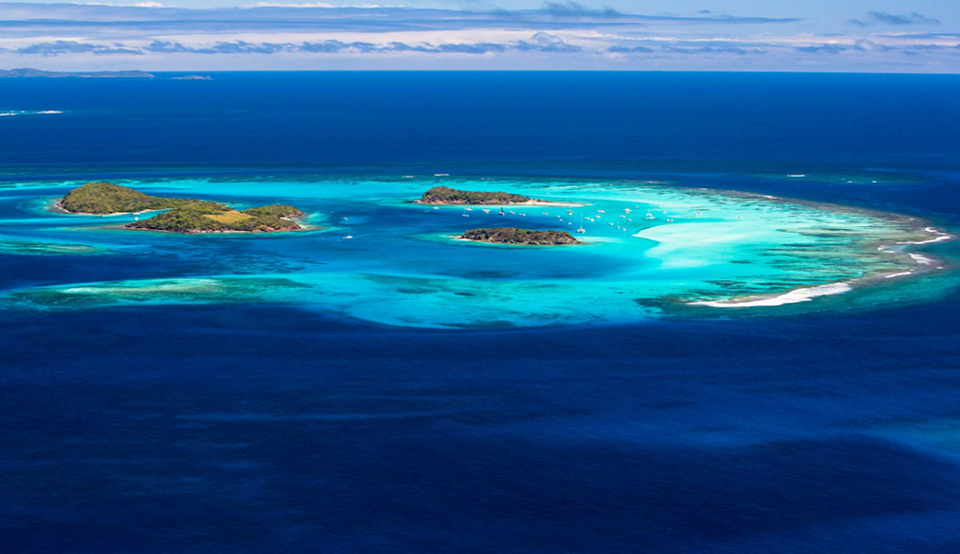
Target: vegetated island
[183,215]
[512,235]
[448,196]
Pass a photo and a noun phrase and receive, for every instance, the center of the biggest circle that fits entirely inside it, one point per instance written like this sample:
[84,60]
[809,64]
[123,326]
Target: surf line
[806,294]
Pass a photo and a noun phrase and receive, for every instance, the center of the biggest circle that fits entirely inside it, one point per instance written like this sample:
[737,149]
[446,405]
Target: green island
[512,235]
[182,215]
[101,198]
[447,195]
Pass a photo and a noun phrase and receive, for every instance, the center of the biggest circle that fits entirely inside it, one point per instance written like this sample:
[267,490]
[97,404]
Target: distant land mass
[183,215]
[28,72]
[512,235]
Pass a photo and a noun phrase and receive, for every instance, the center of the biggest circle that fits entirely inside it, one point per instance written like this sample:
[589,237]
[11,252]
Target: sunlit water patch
[649,250]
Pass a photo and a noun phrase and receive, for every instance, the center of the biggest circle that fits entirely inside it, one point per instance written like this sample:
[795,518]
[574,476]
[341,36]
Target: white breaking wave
[792,297]
[921,259]
[26,112]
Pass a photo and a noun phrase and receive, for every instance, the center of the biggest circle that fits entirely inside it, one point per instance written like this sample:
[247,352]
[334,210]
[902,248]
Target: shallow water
[646,247]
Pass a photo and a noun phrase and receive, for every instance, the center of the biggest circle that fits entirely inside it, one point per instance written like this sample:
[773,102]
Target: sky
[913,36]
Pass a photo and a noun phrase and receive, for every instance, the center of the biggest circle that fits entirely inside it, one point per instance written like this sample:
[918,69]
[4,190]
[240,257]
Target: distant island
[512,235]
[193,78]
[183,215]
[29,73]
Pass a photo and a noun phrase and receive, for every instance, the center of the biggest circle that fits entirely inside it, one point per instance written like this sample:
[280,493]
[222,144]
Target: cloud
[235,47]
[59,47]
[928,36]
[630,50]
[822,49]
[340,47]
[877,18]
[712,50]
[367,18]
[865,45]
[545,42]
[576,9]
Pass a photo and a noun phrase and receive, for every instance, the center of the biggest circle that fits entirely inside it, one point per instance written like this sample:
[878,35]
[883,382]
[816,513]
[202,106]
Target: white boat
[486,211]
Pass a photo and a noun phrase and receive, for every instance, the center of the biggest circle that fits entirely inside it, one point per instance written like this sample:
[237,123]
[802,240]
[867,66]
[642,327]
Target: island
[101,198]
[512,235]
[181,215]
[447,195]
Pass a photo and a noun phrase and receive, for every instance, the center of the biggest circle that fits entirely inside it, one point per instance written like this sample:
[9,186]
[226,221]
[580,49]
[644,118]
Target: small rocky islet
[513,235]
[180,215]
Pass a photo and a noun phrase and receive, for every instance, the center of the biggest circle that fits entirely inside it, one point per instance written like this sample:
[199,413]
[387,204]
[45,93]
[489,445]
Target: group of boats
[600,213]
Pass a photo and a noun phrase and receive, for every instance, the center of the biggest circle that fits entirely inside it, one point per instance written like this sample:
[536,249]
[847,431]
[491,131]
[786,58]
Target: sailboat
[349,234]
[581,229]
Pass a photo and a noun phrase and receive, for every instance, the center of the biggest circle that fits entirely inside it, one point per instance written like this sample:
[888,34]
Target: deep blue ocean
[253,428]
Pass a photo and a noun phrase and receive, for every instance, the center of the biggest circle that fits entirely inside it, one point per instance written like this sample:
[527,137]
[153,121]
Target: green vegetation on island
[447,195]
[182,215]
[221,219]
[512,235]
[106,198]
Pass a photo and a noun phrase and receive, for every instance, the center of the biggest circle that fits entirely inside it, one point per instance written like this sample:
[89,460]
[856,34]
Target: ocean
[399,392]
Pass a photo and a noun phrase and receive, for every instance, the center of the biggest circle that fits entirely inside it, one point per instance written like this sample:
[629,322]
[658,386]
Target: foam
[921,259]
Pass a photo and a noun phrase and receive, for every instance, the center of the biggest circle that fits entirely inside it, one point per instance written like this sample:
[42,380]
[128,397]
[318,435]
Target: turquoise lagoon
[651,249]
